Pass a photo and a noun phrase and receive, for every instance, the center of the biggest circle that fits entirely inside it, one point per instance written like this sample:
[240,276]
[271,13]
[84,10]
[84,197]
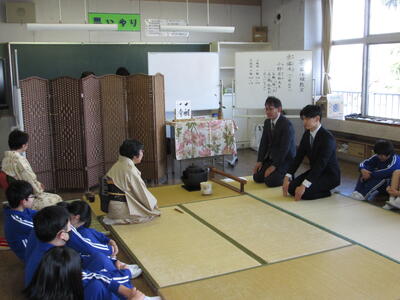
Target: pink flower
[205,152]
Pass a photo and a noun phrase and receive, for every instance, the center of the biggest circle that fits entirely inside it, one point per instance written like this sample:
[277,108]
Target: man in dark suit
[277,146]
[319,146]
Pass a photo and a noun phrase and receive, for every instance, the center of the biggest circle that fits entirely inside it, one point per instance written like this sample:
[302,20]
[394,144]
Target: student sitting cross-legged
[319,146]
[18,216]
[277,146]
[81,218]
[376,171]
[59,275]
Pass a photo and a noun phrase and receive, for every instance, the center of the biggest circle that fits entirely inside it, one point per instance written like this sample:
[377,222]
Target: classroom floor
[11,269]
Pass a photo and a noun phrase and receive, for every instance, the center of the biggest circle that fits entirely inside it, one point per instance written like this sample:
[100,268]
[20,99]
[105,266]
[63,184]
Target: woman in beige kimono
[135,203]
[16,165]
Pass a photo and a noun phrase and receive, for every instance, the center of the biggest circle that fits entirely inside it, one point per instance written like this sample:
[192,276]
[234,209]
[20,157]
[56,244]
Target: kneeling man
[277,146]
[319,146]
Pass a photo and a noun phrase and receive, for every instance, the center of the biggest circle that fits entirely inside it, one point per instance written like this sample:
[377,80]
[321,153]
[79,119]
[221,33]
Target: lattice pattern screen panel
[36,114]
[68,138]
[160,136]
[113,101]
[93,130]
[141,120]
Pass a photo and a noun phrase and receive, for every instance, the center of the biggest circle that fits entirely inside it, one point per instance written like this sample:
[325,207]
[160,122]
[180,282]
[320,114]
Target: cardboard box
[260,33]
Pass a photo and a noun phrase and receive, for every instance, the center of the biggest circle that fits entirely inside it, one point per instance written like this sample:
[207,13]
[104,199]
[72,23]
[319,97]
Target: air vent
[20,12]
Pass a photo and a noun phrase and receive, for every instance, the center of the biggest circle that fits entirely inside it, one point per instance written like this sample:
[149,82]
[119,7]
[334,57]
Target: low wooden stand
[212,177]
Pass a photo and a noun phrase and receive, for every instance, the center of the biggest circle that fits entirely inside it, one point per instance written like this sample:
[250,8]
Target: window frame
[366,40]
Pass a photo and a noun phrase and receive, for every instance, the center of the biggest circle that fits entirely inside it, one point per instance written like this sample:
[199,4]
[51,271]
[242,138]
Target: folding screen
[77,126]
[36,108]
[93,129]
[114,116]
[68,138]
[146,121]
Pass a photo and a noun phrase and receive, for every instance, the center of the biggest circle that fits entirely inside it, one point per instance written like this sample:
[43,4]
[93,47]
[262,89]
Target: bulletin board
[286,75]
[190,76]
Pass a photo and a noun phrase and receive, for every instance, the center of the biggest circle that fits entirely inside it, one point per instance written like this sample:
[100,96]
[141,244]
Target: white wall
[300,28]
[241,16]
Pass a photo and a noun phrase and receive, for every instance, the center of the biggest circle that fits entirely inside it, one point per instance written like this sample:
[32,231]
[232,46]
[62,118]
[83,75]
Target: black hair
[58,276]
[49,221]
[311,111]
[82,209]
[18,190]
[130,148]
[122,71]
[383,147]
[273,101]
[86,73]
[17,139]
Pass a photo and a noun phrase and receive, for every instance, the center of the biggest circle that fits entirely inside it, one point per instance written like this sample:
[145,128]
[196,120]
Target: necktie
[272,127]
[311,140]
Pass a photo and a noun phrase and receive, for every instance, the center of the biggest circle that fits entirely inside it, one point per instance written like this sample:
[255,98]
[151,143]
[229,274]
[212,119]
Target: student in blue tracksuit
[60,276]
[51,229]
[18,216]
[80,219]
[376,171]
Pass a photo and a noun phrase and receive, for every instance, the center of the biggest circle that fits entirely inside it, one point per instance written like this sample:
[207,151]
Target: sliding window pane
[384,81]
[346,75]
[384,16]
[347,19]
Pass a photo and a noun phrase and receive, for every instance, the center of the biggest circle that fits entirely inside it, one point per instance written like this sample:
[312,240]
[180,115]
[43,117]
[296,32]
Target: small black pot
[192,176]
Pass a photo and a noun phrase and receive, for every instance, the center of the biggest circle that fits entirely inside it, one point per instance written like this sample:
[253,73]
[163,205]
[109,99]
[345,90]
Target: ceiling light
[222,29]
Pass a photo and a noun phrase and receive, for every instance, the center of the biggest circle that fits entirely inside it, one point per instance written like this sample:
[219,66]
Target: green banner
[126,22]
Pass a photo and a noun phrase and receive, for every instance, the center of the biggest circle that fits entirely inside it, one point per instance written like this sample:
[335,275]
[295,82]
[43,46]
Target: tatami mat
[269,233]
[177,248]
[359,221]
[346,273]
[175,194]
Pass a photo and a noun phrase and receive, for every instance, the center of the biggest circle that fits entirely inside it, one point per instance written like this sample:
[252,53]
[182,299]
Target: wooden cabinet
[356,147]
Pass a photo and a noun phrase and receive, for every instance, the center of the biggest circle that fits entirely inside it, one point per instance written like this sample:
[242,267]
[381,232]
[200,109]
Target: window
[365,56]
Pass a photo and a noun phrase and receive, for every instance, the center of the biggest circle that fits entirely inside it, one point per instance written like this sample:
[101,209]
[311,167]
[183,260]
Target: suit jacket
[280,144]
[322,156]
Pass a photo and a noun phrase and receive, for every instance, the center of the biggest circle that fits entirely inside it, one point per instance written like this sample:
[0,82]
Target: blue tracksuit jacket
[17,227]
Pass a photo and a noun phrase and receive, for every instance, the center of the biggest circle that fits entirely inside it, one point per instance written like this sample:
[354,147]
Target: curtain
[326,43]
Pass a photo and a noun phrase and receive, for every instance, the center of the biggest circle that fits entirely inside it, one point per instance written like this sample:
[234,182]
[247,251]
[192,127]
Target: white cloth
[17,166]
[141,205]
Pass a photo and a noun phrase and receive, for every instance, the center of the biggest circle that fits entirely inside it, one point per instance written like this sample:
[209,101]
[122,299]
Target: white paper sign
[152,27]
[183,110]
[335,107]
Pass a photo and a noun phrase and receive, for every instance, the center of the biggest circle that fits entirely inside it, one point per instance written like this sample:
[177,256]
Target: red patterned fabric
[3,181]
